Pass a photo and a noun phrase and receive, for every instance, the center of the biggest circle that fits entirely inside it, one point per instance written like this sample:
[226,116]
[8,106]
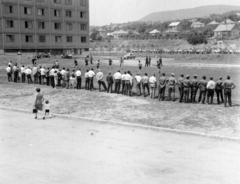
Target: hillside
[201,11]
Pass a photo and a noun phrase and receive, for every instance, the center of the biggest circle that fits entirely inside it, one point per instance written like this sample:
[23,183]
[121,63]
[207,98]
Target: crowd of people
[125,83]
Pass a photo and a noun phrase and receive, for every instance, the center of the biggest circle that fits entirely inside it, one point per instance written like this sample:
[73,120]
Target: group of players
[125,83]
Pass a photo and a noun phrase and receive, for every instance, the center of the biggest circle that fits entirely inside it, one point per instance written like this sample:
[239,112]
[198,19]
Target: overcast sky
[104,12]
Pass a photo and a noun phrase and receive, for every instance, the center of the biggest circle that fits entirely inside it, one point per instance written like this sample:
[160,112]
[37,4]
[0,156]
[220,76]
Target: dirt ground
[211,119]
[58,151]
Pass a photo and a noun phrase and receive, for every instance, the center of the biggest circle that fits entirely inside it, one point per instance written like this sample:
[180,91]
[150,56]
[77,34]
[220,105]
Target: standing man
[67,77]
[110,63]
[63,73]
[52,71]
[128,84]
[117,80]
[9,73]
[28,72]
[86,80]
[145,84]
[138,79]
[219,90]
[15,73]
[43,74]
[171,87]
[149,61]
[186,88]
[180,87]
[194,89]
[202,85]
[79,79]
[109,80]
[228,86]
[47,76]
[153,85]
[123,82]
[22,70]
[99,77]
[210,88]
[146,61]
[140,66]
[35,74]
[121,62]
[91,74]
[162,87]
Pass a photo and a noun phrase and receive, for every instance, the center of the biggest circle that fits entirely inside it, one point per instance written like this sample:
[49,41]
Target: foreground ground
[58,151]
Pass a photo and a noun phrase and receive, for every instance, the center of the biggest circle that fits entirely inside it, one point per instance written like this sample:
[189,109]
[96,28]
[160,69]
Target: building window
[57,1]
[42,39]
[8,9]
[68,2]
[9,24]
[41,25]
[69,26]
[83,2]
[58,39]
[83,39]
[40,12]
[27,11]
[29,38]
[28,25]
[83,27]
[57,26]
[82,14]
[68,13]
[10,38]
[57,13]
[69,39]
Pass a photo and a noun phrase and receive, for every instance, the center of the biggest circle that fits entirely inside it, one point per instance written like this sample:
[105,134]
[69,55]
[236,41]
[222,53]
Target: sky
[104,12]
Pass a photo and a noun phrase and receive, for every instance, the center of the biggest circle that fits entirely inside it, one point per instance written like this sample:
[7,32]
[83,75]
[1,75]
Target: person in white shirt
[47,109]
[91,74]
[127,84]
[99,77]
[28,72]
[23,75]
[86,80]
[42,75]
[79,79]
[123,79]
[63,73]
[153,85]
[117,80]
[9,73]
[145,84]
[52,71]
[210,89]
[138,79]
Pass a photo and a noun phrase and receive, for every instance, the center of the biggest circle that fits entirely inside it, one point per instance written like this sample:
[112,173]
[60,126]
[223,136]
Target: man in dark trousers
[145,84]
[117,80]
[219,90]
[202,85]
[186,88]
[146,62]
[180,87]
[79,79]
[210,90]
[194,89]
[99,77]
[228,86]
[162,87]
[109,80]
[86,80]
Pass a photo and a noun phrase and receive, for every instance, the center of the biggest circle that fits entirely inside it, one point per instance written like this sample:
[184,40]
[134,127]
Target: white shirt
[47,106]
[138,78]
[91,73]
[52,71]
[28,71]
[123,77]
[128,77]
[131,80]
[78,73]
[117,75]
[86,75]
[99,76]
[152,79]
[42,70]
[8,69]
[63,72]
[34,70]
[211,85]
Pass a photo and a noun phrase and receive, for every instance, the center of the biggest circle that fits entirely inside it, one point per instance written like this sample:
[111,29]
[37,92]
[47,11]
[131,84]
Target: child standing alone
[47,109]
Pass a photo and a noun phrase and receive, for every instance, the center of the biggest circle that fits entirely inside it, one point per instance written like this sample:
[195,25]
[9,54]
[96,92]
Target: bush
[196,38]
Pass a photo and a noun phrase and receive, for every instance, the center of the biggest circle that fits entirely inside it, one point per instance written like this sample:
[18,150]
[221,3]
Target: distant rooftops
[224,27]
[174,24]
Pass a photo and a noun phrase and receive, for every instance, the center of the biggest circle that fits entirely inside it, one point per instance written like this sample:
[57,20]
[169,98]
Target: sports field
[211,119]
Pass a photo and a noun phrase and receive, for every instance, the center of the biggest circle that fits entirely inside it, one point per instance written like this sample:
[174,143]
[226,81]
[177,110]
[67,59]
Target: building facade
[55,26]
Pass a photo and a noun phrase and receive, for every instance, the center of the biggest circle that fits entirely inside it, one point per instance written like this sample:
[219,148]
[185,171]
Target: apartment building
[55,26]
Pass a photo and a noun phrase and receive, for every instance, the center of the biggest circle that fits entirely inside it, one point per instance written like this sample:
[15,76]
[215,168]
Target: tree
[95,35]
[195,38]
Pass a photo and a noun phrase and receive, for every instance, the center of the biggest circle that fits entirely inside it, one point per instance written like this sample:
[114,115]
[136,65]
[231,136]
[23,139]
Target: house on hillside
[213,23]
[197,24]
[228,21]
[119,34]
[171,32]
[154,32]
[227,31]
[174,25]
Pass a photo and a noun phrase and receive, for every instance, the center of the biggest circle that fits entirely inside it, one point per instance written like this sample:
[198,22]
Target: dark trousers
[145,86]
[59,81]
[171,90]
[102,83]
[180,94]
[87,83]
[210,95]
[202,96]
[47,80]
[9,77]
[139,88]
[117,85]
[161,93]
[128,88]
[35,79]
[219,93]
[52,81]
[40,79]
[228,97]
[23,77]
[29,79]
[186,95]
[79,82]
[15,78]
[109,89]
[91,83]
[193,94]
[123,87]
